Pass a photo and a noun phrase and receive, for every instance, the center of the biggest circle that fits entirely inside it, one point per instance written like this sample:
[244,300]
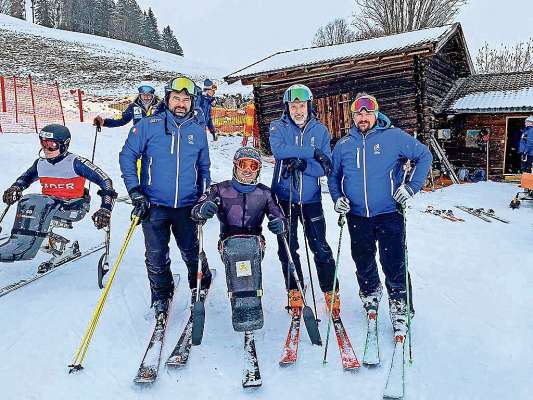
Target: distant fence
[229,121]
[26,106]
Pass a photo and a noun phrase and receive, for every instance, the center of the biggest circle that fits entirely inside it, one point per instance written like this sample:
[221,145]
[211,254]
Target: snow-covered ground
[472,294]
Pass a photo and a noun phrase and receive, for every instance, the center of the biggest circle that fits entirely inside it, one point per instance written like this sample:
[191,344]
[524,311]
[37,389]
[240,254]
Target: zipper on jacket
[358,165]
[176,197]
[364,176]
[172,145]
[391,183]
[150,171]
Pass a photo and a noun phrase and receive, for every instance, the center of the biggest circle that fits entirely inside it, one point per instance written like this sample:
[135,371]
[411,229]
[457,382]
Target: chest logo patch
[377,149]
[190,139]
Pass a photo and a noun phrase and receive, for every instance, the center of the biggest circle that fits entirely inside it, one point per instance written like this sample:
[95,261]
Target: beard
[364,126]
[179,111]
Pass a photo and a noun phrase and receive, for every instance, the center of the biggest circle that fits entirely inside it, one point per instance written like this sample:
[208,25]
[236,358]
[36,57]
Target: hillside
[96,64]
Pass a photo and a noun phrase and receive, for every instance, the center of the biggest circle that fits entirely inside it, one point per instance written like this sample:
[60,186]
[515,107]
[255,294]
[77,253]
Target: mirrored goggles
[294,94]
[182,83]
[367,103]
[248,164]
[49,144]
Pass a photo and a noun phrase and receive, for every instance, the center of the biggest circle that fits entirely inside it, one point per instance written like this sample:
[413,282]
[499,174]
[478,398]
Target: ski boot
[296,302]
[336,302]
[371,302]
[398,316]
[161,308]
[203,295]
[61,252]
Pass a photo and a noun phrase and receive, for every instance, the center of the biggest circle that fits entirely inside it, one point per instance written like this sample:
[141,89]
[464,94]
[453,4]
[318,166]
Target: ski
[47,268]
[348,358]
[251,374]
[180,353]
[371,356]
[149,368]
[394,388]
[444,214]
[491,214]
[290,350]
[474,213]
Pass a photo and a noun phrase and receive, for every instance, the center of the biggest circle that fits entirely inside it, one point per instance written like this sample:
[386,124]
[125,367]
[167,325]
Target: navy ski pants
[315,231]
[161,221]
[388,231]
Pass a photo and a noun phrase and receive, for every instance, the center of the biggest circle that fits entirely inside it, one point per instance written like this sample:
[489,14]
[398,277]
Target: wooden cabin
[409,73]
[493,104]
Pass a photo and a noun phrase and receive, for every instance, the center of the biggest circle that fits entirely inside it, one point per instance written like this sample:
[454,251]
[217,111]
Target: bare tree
[386,17]
[505,59]
[335,32]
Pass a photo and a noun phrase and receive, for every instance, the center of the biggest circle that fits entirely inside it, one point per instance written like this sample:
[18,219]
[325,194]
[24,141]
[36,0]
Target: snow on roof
[358,49]
[506,100]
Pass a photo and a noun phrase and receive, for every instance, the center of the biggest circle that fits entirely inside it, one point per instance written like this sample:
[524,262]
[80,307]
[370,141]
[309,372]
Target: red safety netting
[27,106]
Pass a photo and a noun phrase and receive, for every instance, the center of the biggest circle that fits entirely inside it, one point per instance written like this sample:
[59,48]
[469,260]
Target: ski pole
[98,129]
[309,318]
[289,231]
[198,310]
[76,364]
[407,168]
[341,223]
[4,214]
[302,219]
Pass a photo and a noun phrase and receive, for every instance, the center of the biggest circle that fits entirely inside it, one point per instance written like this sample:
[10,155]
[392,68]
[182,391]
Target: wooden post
[60,103]
[33,104]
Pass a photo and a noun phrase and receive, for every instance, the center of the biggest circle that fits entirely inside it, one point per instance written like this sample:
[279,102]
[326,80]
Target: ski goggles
[182,83]
[146,89]
[369,104]
[294,94]
[49,144]
[248,164]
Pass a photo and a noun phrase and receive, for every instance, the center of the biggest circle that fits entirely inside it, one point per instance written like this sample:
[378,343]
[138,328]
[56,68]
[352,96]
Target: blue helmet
[146,89]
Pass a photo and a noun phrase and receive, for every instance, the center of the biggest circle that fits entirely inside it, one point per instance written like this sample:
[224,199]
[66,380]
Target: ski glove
[207,210]
[342,205]
[323,160]
[403,193]
[277,226]
[294,165]
[98,121]
[141,205]
[102,218]
[12,195]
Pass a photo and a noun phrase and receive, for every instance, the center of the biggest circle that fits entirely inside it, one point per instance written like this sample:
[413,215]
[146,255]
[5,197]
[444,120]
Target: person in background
[205,102]
[526,145]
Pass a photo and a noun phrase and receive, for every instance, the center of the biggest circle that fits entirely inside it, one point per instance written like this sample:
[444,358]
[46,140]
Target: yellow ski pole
[82,350]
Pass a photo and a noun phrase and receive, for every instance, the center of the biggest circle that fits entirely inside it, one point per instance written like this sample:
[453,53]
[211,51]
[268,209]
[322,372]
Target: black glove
[323,160]
[277,226]
[207,210]
[102,218]
[12,195]
[294,165]
[141,205]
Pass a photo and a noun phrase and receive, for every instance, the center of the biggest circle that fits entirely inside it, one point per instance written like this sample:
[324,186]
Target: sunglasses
[182,83]
[364,103]
[301,94]
[49,144]
[248,164]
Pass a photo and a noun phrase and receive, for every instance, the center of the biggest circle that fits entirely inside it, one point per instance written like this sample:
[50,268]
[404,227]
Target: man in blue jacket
[367,182]
[206,100]
[174,174]
[144,105]
[526,145]
[300,145]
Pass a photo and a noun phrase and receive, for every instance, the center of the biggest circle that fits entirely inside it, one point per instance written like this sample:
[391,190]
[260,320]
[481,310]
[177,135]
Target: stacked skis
[444,214]
[485,215]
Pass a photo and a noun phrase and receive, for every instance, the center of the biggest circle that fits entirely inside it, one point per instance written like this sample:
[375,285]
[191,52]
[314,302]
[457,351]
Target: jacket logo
[137,112]
[377,149]
[68,186]
[190,139]
[313,141]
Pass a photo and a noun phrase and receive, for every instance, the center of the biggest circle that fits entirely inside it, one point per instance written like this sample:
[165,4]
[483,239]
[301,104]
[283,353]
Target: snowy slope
[103,65]
[472,293]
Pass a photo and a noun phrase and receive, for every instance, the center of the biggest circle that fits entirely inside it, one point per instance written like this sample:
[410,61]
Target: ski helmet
[55,134]
[297,92]
[146,89]
[247,159]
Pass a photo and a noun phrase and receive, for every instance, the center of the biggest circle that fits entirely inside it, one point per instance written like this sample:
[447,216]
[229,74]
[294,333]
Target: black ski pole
[302,219]
[198,310]
[309,318]
[4,214]
[289,231]
[98,129]
[103,263]
[406,266]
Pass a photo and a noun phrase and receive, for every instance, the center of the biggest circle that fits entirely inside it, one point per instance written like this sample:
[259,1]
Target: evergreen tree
[153,38]
[44,13]
[104,10]
[170,43]
[17,9]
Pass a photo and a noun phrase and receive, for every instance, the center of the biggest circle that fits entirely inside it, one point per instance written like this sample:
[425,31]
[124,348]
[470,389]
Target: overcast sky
[235,33]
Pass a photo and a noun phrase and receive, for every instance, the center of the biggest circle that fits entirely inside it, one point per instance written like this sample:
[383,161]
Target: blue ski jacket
[287,141]
[526,141]
[175,159]
[205,102]
[367,168]
[135,111]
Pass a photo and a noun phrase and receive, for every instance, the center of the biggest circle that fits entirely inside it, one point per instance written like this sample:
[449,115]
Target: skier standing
[526,145]
[205,102]
[301,147]
[174,173]
[144,105]
[366,183]
[62,176]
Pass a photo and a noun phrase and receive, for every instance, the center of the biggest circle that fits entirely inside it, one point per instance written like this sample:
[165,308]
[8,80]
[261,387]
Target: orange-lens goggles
[248,164]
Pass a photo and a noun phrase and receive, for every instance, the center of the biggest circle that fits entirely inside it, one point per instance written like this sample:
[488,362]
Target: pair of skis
[444,214]
[481,213]
[149,367]
[290,349]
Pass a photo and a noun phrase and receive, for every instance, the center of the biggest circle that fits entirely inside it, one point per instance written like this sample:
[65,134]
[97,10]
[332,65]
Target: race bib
[244,268]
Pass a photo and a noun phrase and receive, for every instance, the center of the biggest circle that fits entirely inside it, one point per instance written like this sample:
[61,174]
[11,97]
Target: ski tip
[75,368]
